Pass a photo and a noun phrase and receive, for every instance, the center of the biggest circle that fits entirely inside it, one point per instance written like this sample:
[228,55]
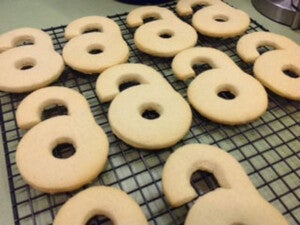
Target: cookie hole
[291,74]
[23,42]
[127,84]
[54,110]
[264,49]
[228,95]
[150,18]
[166,35]
[203,182]
[95,51]
[221,18]
[91,30]
[25,64]
[27,67]
[197,7]
[200,68]
[96,220]
[150,114]
[63,151]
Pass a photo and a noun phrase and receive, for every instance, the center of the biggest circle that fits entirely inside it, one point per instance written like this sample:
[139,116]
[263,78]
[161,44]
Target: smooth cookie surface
[127,122]
[236,201]
[95,43]
[247,45]
[163,37]
[35,158]
[28,60]
[100,201]
[272,69]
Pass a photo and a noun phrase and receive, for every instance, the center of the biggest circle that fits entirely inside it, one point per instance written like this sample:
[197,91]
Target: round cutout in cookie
[91,53]
[39,164]
[224,93]
[95,43]
[220,22]
[236,201]
[163,37]
[149,117]
[28,60]
[215,18]
[100,201]
[227,98]
[279,70]
[247,46]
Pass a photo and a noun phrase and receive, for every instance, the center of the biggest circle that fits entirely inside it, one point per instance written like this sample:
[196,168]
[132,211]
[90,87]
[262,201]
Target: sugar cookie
[151,115]
[126,119]
[28,67]
[216,19]
[137,16]
[182,64]
[235,202]
[249,103]
[100,201]
[36,162]
[93,52]
[185,8]
[108,83]
[25,35]
[92,24]
[247,99]
[270,69]
[163,37]
[247,46]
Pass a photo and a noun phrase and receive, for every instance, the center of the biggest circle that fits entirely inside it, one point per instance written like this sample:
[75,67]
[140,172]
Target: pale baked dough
[185,7]
[216,19]
[269,70]
[18,37]
[126,120]
[153,93]
[34,157]
[193,157]
[182,64]
[29,111]
[108,44]
[249,103]
[92,24]
[247,45]
[137,16]
[235,202]
[108,83]
[26,68]
[163,37]
[250,98]
[100,201]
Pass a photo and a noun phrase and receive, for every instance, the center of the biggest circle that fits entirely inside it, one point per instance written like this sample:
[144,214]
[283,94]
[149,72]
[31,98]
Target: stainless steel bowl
[283,11]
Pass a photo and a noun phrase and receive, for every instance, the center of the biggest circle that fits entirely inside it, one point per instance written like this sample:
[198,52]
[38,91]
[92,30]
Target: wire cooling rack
[268,148]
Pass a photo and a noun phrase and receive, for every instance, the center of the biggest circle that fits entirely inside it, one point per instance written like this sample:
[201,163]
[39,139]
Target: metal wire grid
[268,148]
